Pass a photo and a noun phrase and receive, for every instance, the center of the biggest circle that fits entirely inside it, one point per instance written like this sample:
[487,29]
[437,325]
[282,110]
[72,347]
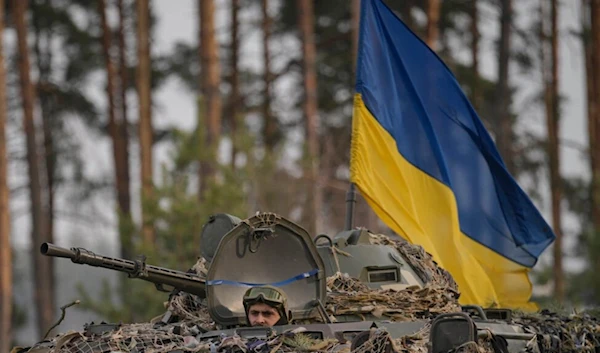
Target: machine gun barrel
[183,281]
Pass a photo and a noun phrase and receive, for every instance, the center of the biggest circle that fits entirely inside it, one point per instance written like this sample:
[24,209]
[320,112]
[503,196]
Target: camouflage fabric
[348,296]
[420,260]
[569,333]
[181,338]
[345,296]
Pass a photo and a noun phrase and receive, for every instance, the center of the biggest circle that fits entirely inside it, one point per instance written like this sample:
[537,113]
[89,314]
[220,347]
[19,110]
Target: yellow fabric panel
[423,211]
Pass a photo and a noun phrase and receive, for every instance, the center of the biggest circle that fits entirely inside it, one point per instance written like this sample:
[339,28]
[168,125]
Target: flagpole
[350,201]
[351,194]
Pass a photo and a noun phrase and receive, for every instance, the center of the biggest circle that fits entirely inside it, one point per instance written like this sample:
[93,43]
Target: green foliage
[142,301]
[18,320]
[583,289]
[184,65]
[577,193]
[19,316]
[584,286]
[552,305]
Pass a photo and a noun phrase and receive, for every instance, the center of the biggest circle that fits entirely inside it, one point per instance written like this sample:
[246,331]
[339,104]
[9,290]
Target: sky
[176,106]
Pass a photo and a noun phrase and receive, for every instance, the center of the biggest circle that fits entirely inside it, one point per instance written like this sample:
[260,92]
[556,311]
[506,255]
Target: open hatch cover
[265,249]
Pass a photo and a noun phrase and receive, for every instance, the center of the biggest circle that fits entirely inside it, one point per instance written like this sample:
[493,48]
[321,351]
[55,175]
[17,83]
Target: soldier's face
[261,314]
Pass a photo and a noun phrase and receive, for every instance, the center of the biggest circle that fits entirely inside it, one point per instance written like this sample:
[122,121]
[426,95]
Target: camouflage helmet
[269,295]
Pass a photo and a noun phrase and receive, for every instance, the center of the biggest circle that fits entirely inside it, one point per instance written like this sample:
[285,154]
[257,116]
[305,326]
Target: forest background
[125,124]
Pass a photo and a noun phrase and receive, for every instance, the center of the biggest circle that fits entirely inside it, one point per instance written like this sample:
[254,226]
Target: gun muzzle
[50,249]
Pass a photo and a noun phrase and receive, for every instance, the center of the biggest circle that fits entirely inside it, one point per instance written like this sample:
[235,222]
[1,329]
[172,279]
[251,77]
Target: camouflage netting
[349,296]
[181,338]
[576,332]
[190,308]
[178,338]
[421,261]
[345,295]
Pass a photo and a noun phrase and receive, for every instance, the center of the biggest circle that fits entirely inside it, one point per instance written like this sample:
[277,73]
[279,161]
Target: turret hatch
[265,249]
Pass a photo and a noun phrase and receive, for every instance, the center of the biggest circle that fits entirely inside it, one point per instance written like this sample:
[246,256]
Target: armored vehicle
[353,292]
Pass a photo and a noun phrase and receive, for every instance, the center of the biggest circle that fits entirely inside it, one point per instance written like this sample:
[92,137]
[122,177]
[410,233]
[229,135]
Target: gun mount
[187,282]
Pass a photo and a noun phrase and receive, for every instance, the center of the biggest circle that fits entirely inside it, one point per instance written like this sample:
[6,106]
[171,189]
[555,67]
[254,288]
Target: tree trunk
[306,21]
[210,84]
[110,94]
[110,85]
[6,285]
[595,105]
[145,120]
[433,18]
[550,79]
[122,157]
[504,123]
[587,48]
[355,13]
[269,120]
[235,100]
[116,132]
[555,160]
[48,105]
[475,91]
[46,94]
[41,264]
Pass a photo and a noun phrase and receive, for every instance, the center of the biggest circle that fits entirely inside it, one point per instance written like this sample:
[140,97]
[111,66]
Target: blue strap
[218,282]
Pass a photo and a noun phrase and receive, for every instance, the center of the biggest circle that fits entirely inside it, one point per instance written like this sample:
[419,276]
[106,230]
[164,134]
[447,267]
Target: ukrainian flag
[424,162]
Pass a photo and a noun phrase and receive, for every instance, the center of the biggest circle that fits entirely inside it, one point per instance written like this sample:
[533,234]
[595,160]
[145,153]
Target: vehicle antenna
[350,201]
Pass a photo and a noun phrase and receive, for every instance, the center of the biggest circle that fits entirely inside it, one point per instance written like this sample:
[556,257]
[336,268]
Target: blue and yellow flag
[426,165]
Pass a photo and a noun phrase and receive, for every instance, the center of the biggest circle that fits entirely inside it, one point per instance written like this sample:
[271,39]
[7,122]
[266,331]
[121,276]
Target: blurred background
[124,124]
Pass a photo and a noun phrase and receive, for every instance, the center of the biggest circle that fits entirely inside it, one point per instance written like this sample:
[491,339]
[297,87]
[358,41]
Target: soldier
[265,306]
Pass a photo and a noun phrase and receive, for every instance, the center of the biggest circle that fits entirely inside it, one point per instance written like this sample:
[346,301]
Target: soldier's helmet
[269,295]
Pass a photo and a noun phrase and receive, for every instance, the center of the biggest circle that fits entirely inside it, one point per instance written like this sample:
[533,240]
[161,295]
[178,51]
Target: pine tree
[6,268]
